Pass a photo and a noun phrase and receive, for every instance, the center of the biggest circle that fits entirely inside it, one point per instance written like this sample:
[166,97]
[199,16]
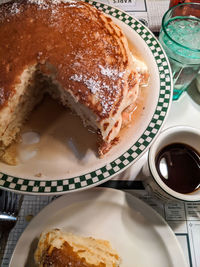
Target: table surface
[185,111]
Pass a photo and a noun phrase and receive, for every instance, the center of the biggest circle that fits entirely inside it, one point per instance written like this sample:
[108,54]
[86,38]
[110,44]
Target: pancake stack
[71,51]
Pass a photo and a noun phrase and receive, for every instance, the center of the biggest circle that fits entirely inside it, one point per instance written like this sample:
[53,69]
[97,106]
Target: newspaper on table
[150,12]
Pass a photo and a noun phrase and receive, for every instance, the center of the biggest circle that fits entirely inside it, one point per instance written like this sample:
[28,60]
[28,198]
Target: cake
[73,52]
[61,249]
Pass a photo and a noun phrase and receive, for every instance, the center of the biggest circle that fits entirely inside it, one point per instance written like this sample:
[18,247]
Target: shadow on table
[194,93]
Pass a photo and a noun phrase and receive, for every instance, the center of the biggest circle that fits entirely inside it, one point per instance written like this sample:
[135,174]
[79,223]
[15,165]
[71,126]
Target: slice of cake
[71,51]
[59,249]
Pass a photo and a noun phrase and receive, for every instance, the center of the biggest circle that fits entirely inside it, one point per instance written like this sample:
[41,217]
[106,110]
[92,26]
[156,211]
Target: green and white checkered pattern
[114,167]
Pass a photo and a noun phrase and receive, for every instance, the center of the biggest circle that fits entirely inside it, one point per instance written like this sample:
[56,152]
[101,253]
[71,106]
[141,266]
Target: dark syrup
[178,165]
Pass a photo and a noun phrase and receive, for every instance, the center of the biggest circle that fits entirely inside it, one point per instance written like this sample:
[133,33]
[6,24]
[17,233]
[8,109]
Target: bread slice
[61,249]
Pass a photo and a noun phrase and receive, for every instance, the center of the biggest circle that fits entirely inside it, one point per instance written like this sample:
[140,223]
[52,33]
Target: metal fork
[10,204]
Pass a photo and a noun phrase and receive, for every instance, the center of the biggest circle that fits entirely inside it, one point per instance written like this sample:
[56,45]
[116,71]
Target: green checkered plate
[73,165]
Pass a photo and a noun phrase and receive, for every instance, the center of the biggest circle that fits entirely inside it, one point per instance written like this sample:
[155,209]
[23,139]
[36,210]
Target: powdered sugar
[44,4]
[92,84]
[72,5]
[53,5]
[55,2]
[76,77]
[15,8]
[102,90]
[41,4]
[111,73]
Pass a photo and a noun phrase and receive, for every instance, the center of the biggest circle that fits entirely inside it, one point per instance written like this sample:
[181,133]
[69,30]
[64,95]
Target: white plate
[141,237]
[65,159]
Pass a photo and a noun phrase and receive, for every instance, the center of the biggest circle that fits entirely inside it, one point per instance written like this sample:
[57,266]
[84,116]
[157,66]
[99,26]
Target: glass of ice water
[180,38]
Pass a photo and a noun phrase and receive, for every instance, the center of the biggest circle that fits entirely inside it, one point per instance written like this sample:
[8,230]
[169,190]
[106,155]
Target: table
[187,113]
[184,218]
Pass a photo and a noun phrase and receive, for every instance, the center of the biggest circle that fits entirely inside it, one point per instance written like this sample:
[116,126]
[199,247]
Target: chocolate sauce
[178,165]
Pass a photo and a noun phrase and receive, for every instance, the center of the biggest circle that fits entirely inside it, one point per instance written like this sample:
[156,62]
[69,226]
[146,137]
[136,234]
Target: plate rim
[136,151]
[79,196]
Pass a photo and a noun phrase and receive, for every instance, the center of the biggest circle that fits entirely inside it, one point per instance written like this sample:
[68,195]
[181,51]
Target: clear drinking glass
[180,38]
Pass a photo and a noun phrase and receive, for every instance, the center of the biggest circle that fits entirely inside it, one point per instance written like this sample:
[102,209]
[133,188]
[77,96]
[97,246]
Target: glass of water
[180,38]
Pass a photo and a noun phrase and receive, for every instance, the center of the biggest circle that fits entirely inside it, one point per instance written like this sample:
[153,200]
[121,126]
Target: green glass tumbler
[180,38]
